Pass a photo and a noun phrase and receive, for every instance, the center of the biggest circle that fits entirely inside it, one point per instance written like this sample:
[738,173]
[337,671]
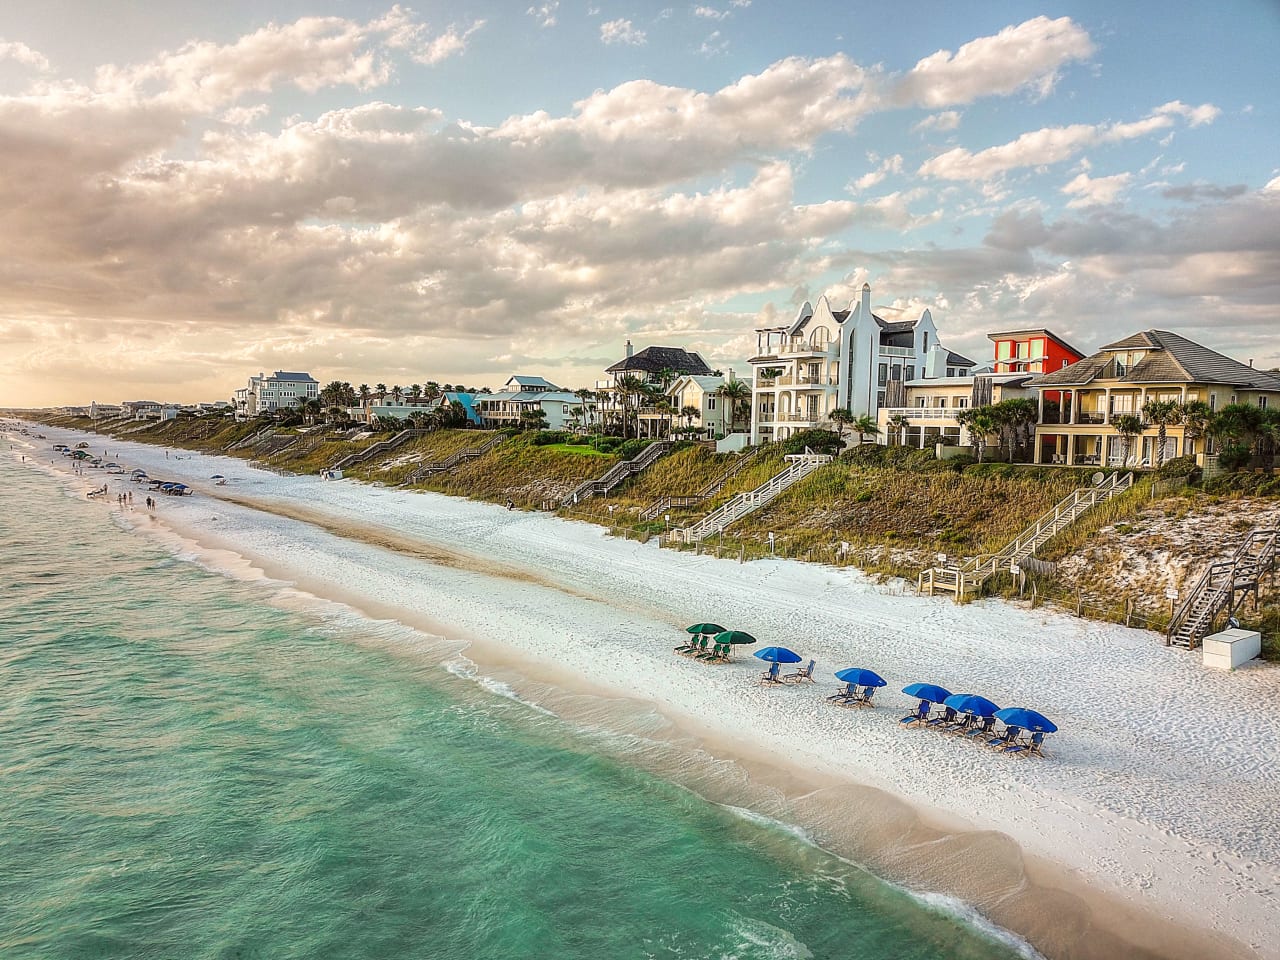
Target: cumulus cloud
[710,13]
[1027,56]
[621,31]
[1055,144]
[545,14]
[1089,191]
[21,53]
[946,120]
[885,167]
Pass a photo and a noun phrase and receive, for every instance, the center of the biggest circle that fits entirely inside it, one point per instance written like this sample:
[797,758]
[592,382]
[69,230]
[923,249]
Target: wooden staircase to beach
[1222,586]
[661,506]
[799,466]
[455,459]
[382,446]
[250,439]
[618,473]
[970,575]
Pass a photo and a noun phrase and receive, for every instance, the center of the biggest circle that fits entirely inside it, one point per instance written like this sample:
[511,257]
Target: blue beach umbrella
[778,655]
[927,691]
[861,678]
[1026,719]
[971,703]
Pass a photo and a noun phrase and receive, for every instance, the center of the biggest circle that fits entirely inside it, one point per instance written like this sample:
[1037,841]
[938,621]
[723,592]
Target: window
[883,374]
[880,399]
[820,338]
[897,371]
[1262,402]
[911,372]
[711,403]
[1065,364]
[1004,349]
[926,341]
[962,402]
[951,371]
[1037,349]
[1213,401]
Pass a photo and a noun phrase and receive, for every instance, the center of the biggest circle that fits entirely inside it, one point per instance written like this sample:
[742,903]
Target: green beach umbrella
[704,629]
[734,637]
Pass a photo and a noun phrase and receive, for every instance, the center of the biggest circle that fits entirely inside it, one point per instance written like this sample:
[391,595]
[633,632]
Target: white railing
[973,572]
[922,413]
[801,466]
[897,352]
[1217,586]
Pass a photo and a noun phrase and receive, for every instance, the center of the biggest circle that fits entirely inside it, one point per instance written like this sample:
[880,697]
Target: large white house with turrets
[829,359]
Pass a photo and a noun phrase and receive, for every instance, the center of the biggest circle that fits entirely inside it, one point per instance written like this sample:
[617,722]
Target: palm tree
[629,388]
[587,396]
[737,393]
[1269,437]
[900,423]
[397,393]
[1163,413]
[688,414]
[1127,426]
[1197,419]
[864,426]
[841,417]
[981,423]
[415,391]
[431,391]
[381,392]
[1017,416]
[665,408]
[365,394]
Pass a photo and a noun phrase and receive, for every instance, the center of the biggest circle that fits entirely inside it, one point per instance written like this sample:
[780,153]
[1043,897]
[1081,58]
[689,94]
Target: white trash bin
[1230,648]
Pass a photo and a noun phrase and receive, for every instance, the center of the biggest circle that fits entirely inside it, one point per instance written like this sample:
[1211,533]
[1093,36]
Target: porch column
[1071,450]
[1040,414]
[1075,406]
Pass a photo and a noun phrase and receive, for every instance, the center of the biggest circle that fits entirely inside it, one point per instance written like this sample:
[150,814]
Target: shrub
[1178,467]
[1235,456]
[544,438]
[631,448]
[819,441]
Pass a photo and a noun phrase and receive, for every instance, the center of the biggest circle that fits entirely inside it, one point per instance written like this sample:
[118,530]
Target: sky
[461,191]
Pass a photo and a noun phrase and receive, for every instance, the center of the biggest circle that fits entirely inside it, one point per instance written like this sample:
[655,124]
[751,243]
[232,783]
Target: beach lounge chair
[805,673]
[983,730]
[920,716]
[849,692]
[696,648]
[713,655]
[962,725]
[948,716]
[1006,739]
[1032,745]
[771,675]
[863,699]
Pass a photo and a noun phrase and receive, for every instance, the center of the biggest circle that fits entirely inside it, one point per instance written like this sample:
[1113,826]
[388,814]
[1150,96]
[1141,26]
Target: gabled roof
[656,359]
[959,360]
[536,383]
[1170,358]
[896,326]
[299,377]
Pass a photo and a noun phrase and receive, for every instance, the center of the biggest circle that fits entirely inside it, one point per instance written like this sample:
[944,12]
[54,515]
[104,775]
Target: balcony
[897,352]
[1091,416]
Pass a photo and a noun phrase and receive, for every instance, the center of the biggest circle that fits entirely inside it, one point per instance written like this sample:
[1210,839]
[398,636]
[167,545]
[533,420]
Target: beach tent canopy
[971,703]
[861,678]
[778,655]
[218,476]
[927,691]
[734,637]
[698,629]
[1026,719]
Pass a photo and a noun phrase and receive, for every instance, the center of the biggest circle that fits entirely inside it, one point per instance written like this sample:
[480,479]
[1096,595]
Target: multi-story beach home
[930,413]
[933,407]
[831,359]
[714,411]
[269,394]
[561,409]
[1120,378]
[658,367]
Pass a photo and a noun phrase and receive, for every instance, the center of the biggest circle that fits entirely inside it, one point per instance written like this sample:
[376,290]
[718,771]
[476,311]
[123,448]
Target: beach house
[654,370]
[827,359]
[690,393]
[1119,379]
[522,397]
[932,409]
[271,393]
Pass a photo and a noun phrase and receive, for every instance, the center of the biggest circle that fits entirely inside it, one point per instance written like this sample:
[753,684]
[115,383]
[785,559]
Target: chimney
[629,351]
[1251,363]
[732,378]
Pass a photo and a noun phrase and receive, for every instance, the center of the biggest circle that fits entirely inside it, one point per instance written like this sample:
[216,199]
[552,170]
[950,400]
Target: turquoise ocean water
[189,769]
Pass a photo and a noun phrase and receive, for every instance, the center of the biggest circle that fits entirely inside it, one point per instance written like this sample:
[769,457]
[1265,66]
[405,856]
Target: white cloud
[714,44]
[545,14]
[21,53]
[946,120]
[621,31]
[710,13]
[1093,191]
[1053,144]
[889,165]
[1029,55]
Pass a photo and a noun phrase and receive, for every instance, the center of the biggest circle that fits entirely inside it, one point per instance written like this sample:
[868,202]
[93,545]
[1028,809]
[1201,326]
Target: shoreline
[1088,919]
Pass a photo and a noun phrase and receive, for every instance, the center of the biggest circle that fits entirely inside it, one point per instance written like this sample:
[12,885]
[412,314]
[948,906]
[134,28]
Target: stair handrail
[801,465]
[451,461]
[1192,612]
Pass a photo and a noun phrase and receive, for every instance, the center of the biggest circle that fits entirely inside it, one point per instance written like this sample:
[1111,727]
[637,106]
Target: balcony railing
[1087,416]
[897,352]
[922,413]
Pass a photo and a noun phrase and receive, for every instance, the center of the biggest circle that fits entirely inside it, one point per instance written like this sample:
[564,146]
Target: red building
[1032,351]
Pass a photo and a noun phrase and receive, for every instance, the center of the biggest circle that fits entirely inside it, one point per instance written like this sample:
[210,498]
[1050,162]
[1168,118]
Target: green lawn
[578,448]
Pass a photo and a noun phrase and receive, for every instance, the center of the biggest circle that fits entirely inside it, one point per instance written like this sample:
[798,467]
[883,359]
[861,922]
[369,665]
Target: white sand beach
[1151,821]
